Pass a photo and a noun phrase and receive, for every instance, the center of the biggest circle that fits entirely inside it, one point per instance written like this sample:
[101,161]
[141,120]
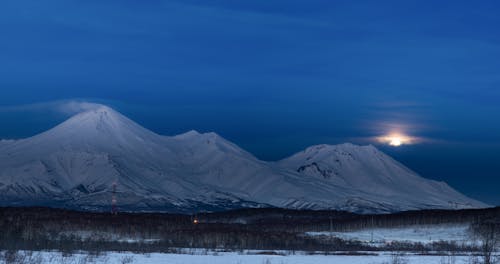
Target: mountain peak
[102,127]
[326,149]
[189,134]
[195,134]
[368,170]
[100,114]
[101,119]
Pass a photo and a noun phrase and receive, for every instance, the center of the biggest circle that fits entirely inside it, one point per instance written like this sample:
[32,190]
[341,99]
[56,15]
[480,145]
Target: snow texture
[232,258]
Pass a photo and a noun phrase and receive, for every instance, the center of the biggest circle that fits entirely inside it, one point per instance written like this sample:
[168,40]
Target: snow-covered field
[417,234]
[235,258]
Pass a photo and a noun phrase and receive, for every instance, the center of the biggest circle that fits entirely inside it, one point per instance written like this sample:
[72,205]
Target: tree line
[37,228]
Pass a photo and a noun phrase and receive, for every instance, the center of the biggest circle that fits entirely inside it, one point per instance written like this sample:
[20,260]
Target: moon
[396,139]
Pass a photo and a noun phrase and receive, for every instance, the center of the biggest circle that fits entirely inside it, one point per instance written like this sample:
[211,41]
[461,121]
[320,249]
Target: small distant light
[195,221]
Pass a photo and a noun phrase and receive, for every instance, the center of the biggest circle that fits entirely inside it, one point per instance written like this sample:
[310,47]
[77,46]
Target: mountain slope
[76,164]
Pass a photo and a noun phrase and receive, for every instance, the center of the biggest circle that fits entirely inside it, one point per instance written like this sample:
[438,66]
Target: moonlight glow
[396,139]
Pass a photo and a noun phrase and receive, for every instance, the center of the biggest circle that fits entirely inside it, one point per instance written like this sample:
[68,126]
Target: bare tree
[488,234]
[397,258]
[127,260]
[449,259]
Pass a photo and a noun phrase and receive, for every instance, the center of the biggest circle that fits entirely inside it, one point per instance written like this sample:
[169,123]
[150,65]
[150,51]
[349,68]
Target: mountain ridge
[76,163]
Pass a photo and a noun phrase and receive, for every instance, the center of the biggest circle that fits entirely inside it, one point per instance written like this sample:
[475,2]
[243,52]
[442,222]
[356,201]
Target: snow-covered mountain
[77,163]
[369,178]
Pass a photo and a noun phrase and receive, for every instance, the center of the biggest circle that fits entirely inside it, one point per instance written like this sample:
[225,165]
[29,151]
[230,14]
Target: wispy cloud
[74,107]
[65,107]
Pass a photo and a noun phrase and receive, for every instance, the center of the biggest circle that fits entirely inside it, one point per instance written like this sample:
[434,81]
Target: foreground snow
[418,234]
[235,258]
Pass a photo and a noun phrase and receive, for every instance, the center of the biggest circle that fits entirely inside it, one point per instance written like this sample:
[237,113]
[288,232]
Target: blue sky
[272,76]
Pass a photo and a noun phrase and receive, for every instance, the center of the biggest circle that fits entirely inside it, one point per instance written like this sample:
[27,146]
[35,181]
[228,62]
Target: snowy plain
[421,234]
[236,258]
[418,234]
